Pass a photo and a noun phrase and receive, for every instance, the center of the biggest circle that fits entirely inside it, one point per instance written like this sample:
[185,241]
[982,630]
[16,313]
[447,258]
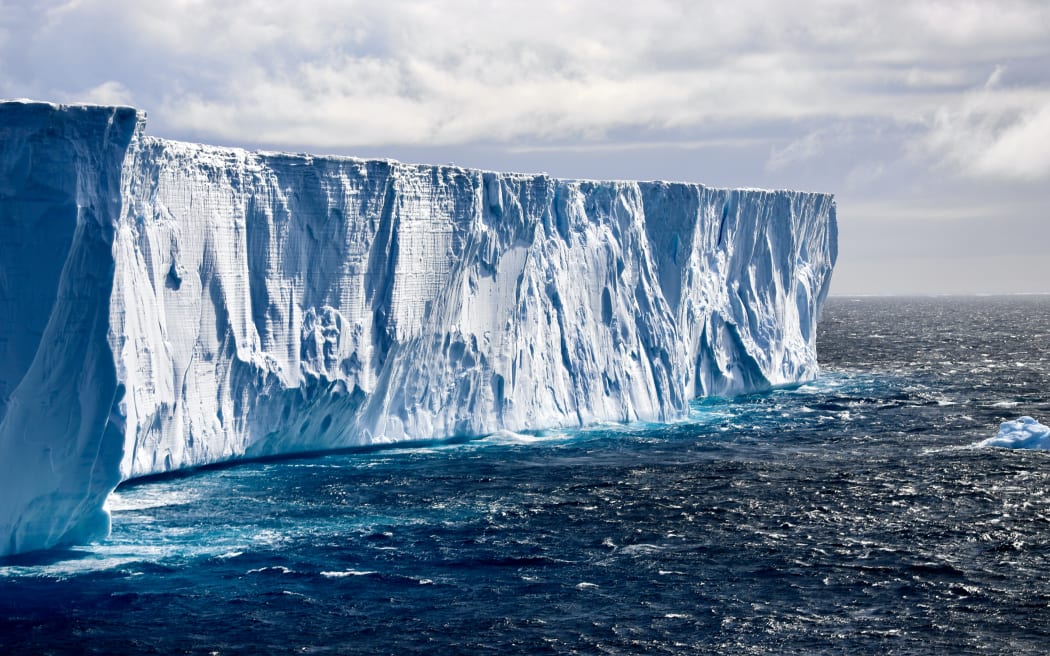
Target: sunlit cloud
[107,93]
[996,131]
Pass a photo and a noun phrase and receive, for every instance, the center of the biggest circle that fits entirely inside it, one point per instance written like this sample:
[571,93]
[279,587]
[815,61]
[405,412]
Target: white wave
[145,497]
[511,437]
[1005,404]
[229,554]
[349,572]
[642,549]
[273,568]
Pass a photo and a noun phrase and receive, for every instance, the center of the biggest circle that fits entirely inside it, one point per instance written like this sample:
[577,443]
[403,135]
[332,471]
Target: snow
[1021,433]
[167,305]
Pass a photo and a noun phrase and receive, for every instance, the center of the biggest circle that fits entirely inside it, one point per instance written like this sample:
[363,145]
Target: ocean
[849,515]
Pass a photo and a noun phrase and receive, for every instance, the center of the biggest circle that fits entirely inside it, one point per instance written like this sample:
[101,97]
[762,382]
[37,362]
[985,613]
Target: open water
[847,516]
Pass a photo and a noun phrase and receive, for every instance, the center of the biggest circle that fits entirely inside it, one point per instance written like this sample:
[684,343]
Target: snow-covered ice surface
[1021,433]
[165,305]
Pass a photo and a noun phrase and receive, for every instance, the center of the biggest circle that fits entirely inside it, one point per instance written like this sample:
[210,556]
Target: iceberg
[1021,433]
[166,305]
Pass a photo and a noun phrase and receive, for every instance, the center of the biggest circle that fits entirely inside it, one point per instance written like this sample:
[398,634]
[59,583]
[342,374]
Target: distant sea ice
[1022,433]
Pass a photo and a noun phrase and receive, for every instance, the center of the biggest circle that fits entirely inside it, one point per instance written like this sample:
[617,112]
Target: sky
[928,120]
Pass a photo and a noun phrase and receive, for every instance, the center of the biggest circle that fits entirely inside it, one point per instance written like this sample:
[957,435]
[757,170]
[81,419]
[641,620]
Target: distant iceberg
[1021,433]
[166,305]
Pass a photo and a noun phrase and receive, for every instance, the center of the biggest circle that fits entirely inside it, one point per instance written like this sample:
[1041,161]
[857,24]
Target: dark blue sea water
[850,515]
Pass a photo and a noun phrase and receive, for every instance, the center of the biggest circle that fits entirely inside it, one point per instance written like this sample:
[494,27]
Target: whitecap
[269,537]
[146,497]
[641,549]
[229,554]
[511,437]
[345,573]
[273,568]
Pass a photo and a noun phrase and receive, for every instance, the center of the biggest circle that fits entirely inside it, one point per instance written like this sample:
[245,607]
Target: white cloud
[799,150]
[1021,150]
[865,174]
[339,74]
[995,131]
[850,96]
[107,93]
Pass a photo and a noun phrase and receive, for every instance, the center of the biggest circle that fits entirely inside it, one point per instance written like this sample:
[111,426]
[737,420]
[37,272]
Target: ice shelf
[165,305]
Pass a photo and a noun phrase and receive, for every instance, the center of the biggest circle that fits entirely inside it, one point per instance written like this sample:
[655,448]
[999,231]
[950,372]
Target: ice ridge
[166,305]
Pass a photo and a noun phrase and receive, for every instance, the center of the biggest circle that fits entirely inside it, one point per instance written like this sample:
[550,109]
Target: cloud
[1020,150]
[336,74]
[107,93]
[925,106]
[995,131]
[803,149]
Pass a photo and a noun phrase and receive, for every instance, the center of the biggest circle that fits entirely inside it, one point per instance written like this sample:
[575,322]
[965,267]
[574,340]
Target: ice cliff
[165,305]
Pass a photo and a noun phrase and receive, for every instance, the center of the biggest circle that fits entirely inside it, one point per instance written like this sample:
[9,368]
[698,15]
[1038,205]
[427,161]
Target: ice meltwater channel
[165,305]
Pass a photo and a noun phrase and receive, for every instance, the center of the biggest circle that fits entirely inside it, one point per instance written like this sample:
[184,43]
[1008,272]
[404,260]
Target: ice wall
[224,303]
[60,202]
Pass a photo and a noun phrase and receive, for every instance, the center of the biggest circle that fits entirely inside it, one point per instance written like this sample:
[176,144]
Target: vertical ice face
[230,304]
[60,175]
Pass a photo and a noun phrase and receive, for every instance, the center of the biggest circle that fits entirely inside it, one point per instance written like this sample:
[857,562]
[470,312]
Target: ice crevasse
[165,305]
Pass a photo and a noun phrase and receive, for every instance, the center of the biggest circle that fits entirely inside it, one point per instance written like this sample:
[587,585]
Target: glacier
[166,305]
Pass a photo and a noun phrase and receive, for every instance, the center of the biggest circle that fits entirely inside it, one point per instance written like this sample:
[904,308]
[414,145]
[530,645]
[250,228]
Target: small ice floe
[1022,433]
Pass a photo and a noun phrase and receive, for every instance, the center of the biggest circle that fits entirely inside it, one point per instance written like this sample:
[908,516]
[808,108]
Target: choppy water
[846,516]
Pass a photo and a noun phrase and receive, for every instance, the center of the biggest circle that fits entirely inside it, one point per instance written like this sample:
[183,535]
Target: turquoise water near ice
[851,514]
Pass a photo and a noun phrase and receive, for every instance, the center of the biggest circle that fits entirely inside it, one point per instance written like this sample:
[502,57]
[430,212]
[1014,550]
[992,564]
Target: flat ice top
[240,153]
[235,152]
[54,105]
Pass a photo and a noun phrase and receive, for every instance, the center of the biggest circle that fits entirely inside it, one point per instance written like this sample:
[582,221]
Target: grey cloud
[881,102]
[354,73]
[995,131]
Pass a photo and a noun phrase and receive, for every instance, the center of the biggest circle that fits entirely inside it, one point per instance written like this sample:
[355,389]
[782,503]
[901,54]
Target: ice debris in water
[1022,433]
